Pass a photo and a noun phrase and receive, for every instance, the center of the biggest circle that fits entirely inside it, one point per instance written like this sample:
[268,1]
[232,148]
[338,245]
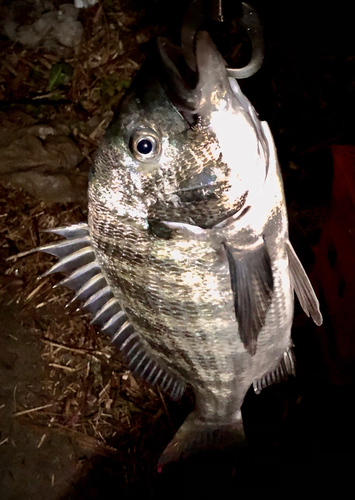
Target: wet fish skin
[192,239]
[213,299]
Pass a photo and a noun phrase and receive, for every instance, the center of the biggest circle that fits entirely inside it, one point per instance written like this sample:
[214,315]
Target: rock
[52,28]
[84,4]
[52,188]
[41,159]
[35,146]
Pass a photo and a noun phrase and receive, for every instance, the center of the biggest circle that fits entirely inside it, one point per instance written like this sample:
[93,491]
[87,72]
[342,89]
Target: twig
[19,255]
[42,304]
[32,410]
[41,440]
[104,390]
[36,290]
[14,396]
[75,349]
[62,367]
[165,407]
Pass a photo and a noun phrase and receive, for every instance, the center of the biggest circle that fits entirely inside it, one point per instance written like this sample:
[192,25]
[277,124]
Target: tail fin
[196,435]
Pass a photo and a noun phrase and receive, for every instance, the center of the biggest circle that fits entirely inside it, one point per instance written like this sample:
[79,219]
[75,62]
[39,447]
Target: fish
[185,260]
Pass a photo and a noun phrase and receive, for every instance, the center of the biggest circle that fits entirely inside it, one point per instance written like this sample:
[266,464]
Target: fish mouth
[179,82]
[190,90]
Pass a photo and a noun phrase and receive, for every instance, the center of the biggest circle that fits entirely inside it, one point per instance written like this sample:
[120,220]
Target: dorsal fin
[76,256]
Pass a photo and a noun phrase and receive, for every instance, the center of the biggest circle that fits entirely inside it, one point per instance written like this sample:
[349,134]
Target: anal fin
[284,368]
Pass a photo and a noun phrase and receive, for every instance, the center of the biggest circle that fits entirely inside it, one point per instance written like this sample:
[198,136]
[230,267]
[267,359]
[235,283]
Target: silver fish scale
[178,297]
[170,297]
[203,205]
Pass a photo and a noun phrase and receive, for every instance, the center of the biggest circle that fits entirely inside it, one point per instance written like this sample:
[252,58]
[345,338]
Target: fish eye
[145,144]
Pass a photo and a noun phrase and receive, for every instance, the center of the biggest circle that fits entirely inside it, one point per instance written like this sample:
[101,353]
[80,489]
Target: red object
[335,268]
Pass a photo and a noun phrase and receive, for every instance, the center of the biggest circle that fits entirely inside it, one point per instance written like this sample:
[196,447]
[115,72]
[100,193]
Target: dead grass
[89,393]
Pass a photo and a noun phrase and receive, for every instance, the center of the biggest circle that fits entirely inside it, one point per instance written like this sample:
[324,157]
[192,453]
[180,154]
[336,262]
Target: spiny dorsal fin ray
[98,299]
[90,287]
[78,258]
[72,261]
[73,231]
[106,312]
[252,286]
[114,323]
[303,287]
[284,368]
[67,247]
[143,362]
[80,276]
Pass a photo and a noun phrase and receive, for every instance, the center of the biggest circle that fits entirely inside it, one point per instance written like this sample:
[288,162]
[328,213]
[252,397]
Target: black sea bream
[185,260]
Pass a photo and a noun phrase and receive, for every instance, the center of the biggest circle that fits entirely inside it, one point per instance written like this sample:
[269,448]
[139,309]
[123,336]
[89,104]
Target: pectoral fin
[252,286]
[303,287]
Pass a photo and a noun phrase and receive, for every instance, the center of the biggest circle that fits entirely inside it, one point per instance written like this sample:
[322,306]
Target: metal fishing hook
[200,11]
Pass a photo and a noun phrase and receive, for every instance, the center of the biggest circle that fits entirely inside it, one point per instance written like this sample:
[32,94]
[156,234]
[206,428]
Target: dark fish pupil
[144,146]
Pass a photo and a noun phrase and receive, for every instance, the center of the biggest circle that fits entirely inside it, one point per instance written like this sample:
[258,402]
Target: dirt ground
[298,429]
[74,422]
[34,462]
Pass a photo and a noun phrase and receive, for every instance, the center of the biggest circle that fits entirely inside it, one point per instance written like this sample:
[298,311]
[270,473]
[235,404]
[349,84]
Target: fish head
[184,147]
